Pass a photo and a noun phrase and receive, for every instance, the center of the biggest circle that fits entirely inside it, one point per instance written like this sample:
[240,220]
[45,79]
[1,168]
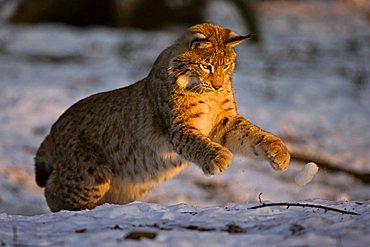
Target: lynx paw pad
[278,155]
[219,163]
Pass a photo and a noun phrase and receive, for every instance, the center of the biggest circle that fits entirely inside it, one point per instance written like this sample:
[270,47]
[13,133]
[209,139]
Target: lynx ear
[200,41]
[235,39]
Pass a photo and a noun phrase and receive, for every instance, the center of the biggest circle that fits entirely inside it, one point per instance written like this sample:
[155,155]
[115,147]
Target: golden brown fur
[116,146]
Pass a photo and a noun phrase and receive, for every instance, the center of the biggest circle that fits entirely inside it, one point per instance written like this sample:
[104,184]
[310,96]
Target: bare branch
[304,156]
[324,160]
[304,205]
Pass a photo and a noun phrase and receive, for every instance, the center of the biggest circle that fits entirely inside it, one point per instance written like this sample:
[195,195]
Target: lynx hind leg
[72,191]
[78,186]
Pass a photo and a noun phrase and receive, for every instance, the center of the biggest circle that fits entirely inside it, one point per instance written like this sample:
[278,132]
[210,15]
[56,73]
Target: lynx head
[207,57]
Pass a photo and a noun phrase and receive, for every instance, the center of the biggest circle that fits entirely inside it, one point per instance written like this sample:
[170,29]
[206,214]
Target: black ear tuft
[235,39]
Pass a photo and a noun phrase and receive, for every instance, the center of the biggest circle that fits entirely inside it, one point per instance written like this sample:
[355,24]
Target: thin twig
[287,204]
[259,197]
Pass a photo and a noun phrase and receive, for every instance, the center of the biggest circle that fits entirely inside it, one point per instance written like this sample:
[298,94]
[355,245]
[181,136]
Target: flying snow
[306,174]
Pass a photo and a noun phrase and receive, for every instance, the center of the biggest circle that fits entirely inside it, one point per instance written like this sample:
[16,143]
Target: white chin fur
[187,82]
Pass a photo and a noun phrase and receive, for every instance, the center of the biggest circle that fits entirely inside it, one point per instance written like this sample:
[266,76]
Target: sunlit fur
[114,147]
[193,63]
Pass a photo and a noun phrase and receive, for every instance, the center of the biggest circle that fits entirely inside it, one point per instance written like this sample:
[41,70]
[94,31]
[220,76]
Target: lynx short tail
[42,171]
[43,162]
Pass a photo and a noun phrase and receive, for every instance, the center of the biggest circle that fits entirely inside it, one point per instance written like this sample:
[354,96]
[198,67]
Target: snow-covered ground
[143,224]
[308,82]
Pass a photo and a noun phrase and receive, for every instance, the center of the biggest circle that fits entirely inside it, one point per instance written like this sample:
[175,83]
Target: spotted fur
[114,147]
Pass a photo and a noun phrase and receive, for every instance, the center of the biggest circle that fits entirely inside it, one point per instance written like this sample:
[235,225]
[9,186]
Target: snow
[306,174]
[307,82]
[184,225]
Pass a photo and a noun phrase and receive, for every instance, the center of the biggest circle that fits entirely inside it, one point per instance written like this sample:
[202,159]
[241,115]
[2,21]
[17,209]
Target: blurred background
[305,77]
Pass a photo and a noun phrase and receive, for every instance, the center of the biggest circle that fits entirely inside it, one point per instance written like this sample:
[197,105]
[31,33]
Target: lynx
[114,147]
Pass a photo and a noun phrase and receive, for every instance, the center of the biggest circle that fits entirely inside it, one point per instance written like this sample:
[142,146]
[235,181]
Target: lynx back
[114,147]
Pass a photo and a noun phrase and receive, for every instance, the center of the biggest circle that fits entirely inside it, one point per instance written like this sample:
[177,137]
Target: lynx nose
[217,87]
[217,84]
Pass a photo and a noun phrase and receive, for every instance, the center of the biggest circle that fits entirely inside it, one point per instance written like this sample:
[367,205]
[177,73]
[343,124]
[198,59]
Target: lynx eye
[207,68]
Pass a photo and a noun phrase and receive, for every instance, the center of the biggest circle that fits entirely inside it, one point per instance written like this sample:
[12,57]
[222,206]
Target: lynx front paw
[219,163]
[277,153]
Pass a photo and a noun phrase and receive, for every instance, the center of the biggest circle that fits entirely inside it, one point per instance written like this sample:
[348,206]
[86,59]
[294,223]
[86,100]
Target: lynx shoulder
[114,147]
